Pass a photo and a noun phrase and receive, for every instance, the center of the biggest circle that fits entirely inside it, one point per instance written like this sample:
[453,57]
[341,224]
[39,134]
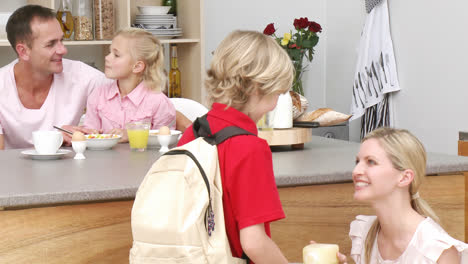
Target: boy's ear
[406,178]
[139,67]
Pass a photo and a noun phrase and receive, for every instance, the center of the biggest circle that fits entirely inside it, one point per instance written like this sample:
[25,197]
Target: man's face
[46,49]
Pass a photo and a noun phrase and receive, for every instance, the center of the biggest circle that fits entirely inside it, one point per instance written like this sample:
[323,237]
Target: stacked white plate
[163,26]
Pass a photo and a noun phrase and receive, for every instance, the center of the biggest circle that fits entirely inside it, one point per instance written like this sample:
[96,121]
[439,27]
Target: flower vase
[297,83]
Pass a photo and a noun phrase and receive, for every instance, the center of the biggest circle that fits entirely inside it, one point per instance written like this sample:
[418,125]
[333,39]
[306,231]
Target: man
[41,89]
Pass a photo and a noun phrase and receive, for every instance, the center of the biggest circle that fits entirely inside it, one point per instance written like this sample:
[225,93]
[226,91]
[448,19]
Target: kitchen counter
[83,207]
[116,174]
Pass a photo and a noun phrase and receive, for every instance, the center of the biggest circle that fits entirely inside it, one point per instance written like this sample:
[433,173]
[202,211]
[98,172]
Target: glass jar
[65,18]
[103,19]
[83,19]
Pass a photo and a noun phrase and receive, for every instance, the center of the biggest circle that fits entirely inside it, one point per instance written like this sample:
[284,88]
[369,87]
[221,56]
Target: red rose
[293,46]
[269,30]
[302,22]
[315,27]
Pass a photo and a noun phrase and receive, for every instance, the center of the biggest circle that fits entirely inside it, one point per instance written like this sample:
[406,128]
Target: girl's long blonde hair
[246,62]
[405,151]
[147,48]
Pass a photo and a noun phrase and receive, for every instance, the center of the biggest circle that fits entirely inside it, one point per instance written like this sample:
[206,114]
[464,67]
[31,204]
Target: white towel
[376,72]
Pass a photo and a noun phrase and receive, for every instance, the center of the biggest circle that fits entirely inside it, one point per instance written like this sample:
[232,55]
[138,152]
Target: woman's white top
[426,245]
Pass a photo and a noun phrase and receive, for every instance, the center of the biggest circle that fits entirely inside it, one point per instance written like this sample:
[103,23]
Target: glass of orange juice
[138,133]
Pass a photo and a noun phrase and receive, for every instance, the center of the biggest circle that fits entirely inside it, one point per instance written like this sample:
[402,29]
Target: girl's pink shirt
[107,110]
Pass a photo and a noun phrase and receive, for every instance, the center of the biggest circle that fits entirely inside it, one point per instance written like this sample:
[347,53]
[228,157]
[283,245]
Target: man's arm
[2,142]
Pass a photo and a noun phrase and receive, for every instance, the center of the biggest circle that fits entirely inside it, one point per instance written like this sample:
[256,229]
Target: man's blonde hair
[246,62]
[147,48]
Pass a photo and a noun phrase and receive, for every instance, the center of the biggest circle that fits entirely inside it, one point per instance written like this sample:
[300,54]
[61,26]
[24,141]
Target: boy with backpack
[248,72]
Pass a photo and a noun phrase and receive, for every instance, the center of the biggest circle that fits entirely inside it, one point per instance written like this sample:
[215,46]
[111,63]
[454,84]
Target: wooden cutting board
[290,136]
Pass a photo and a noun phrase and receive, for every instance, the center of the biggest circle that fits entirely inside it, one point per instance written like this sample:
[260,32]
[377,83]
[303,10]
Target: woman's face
[119,62]
[374,175]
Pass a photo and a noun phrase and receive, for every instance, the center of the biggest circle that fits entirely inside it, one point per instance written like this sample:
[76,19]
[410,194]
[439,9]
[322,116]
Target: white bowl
[153,141]
[101,141]
[154,10]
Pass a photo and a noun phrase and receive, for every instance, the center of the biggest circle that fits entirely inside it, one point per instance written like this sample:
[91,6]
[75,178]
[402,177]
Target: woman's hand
[341,258]
[120,132]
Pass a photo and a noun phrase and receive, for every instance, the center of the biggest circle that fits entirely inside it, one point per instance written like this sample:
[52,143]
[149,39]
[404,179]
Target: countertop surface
[116,174]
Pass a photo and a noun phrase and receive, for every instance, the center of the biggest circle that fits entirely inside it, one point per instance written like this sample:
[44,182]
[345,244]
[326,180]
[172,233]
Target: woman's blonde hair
[405,151]
[246,62]
[147,48]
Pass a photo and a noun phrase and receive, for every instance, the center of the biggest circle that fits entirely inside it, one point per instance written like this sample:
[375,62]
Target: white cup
[47,142]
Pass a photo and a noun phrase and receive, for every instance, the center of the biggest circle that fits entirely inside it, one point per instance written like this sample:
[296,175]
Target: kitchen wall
[431,49]
[430,45]
[223,16]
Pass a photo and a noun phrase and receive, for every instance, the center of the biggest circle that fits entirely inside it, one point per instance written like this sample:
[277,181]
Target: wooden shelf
[191,50]
[5,43]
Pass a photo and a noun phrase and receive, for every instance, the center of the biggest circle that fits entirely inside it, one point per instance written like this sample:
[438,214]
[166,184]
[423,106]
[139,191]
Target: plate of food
[101,141]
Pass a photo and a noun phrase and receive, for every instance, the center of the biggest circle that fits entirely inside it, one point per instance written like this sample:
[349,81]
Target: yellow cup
[320,254]
[138,133]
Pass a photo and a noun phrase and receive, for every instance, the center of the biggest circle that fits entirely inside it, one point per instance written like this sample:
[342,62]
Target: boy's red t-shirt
[250,196]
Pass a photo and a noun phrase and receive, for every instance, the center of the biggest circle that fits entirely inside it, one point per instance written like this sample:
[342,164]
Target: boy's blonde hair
[405,151]
[246,62]
[147,48]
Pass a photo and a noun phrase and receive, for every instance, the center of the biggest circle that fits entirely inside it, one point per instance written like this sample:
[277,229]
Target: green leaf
[310,54]
[295,54]
[310,43]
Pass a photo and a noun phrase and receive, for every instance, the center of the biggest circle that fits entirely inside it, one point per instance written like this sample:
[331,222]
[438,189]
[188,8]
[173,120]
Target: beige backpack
[177,216]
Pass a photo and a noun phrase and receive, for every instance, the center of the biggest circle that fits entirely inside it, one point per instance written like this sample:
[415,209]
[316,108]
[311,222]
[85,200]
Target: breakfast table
[78,211]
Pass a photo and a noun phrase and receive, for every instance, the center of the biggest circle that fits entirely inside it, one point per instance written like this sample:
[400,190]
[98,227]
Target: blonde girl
[390,167]
[135,62]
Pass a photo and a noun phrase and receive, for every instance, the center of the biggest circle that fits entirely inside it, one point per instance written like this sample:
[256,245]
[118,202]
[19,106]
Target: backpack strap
[201,128]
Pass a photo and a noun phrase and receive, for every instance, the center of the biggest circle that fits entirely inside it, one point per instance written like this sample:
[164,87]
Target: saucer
[34,155]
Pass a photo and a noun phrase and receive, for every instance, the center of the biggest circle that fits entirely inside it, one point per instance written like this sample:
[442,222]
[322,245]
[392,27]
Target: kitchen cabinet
[190,45]
[65,211]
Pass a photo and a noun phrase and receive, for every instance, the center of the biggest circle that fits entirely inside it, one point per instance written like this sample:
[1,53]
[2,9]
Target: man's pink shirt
[64,104]
[106,109]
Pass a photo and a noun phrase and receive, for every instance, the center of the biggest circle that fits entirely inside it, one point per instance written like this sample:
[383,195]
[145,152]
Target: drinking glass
[266,122]
[138,133]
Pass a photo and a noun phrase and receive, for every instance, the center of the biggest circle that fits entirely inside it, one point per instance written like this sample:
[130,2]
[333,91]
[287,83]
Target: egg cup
[79,147]
[164,142]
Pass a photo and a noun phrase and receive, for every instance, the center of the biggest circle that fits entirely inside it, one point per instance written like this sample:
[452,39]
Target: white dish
[32,153]
[101,143]
[153,141]
[154,10]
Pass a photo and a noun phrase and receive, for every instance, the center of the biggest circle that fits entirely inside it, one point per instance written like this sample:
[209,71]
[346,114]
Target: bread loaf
[300,104]
[325,116]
